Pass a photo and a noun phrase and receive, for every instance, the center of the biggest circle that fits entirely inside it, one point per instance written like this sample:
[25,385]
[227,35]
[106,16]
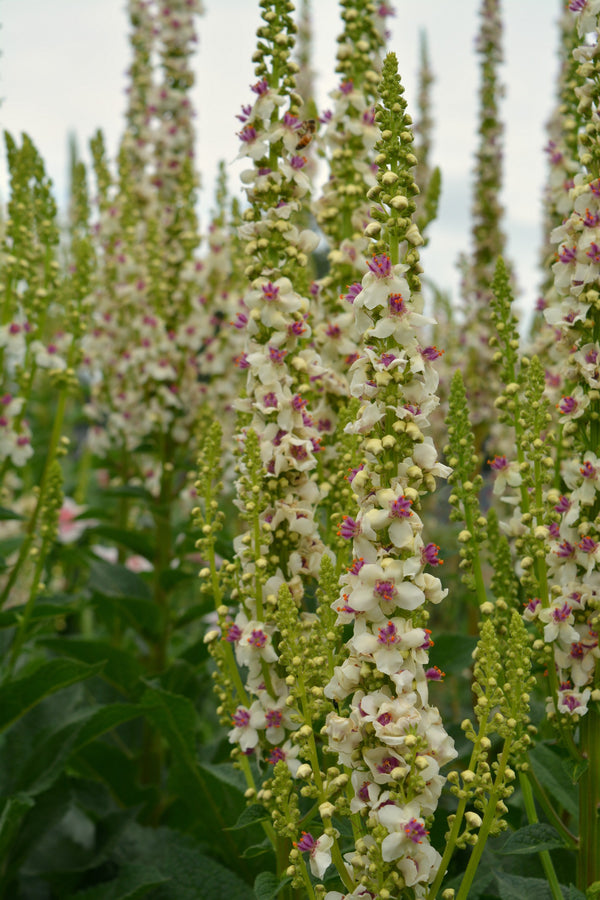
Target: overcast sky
[63,63]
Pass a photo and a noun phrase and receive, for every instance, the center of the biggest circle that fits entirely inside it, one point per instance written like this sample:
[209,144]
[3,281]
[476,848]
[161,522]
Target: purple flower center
[270,291]
[388,358]
[567,255]
[588,470]
[234,633]
[241,717]
[257,639]
[385,589]
[565,550]
[563,505]
[431,353]
[276,355]
[274,718]
[498,463]
[588,545]
[381,265]
[261,87]
[429,555]
[387,765]
[415,831]
[247,134]
[397,305]
[306,843]
[562,613]
[298,162]
[400,508]
[567,405]
[356,566]
[352,292]
[349,528]
[388,635]
[434,674]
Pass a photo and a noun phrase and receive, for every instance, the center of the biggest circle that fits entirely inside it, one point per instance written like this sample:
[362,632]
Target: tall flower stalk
[488,239]
[386,733]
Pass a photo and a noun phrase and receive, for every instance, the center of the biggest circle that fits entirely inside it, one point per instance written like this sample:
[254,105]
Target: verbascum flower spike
[384,731]
[502,683]
[278,554]
[562,160]
[348,139]
[428,179]
[488,239]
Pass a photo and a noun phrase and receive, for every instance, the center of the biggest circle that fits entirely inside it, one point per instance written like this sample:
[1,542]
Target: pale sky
[63,63]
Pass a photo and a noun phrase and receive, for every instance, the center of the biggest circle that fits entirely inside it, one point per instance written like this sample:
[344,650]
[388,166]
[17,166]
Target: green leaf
[514,887]
[50,756]
[41,611]
[132,882]
[250,816]
[532,839]
[548,769]
[175,717]
[136,541]
[258,849]
[112,767]
[9,514]
[193,875]
[453,653]
[575,768]
[14,810]
[20,695]
[128,490]
[571,892]
[115,580]
[120,668]
[267,886]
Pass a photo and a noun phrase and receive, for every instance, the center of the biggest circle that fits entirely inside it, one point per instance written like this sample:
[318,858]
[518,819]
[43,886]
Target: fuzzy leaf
[120,668]
[549,770]
[22,694]
[14,810]
[47,762]
[514,887]
[267,886]
[250,816]
[132,883]
[114,580]
[135,541]
[532,839]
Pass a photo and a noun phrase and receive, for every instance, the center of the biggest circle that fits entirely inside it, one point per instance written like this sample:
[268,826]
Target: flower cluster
[141,354]
[488,239]
[390,737]
[570,621]
[279,439]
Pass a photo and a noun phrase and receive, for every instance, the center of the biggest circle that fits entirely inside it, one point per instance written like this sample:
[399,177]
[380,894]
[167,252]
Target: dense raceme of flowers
[391,739]
[570,623]
[149,316]
[488,239]
[309,410]
[279,440]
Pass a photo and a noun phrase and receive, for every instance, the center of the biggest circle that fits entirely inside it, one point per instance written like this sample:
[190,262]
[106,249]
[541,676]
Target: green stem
[477,567]
[544,855]
[488,819]
[551,813]
[26,546]
[588,863]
